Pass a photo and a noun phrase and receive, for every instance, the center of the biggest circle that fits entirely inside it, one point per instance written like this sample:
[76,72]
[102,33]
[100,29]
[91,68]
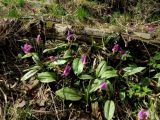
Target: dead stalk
[5,106]
[54,105]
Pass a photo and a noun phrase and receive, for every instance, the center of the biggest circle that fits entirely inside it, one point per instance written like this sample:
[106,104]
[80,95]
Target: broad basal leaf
[60,46]
[59,62]
[35,58]
[29,74]
[102,67]
[110,89]
[132,70]
[69,94]
[27,55]
[67,54]
[109,74]
[109,109]
[157,75]
[32,68]
[156,56]
[51,65]
[46,77]
[85,77]
[95,85]
[77,66]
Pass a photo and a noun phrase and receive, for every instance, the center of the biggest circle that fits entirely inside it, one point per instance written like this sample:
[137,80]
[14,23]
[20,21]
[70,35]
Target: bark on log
[51,30]
[87,34]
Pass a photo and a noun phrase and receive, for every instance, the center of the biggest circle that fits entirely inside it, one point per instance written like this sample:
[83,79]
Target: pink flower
[70,35]
[143,114]
[103,86]
[67,70]
[38,39]
[150,28]
[52,58]
[115,48]
[121,51]
[84,58]
[26,48]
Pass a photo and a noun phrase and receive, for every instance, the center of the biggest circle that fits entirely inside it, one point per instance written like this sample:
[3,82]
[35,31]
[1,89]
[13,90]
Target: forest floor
[36,100]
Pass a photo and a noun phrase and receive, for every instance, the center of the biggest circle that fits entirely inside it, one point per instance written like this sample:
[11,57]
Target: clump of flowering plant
[99,76]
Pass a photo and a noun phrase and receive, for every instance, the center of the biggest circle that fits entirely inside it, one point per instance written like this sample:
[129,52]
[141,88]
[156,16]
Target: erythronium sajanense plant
[88,75]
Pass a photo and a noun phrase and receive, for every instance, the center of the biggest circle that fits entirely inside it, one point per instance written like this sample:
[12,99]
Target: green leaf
[145,81]
[32,68]
[59,62]
[85,77]
[27,55]
[67,54]
[109,74]
[109,109]
[157,75]
[46,77]
[156,56]
[21,3]
[51,65]
[95,85]
[110,90]
[29,74]
[19,55]
[132,70]
[60,46]
[35,58]
[69,94]
[102,67]
[77,66]
[157,65]
[122,95]
[13,13]
[158,84]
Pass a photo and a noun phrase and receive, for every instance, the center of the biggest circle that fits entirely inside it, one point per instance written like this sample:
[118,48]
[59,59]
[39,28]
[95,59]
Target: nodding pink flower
[70,35]
[103,86]
[84,58]
[26,48]
[143,114]
[67,70]
[115,48]
[121,51]
[38,39]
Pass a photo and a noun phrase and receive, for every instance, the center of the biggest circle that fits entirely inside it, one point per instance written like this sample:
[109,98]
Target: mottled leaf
[46,77]
[69,94]
[109,109]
